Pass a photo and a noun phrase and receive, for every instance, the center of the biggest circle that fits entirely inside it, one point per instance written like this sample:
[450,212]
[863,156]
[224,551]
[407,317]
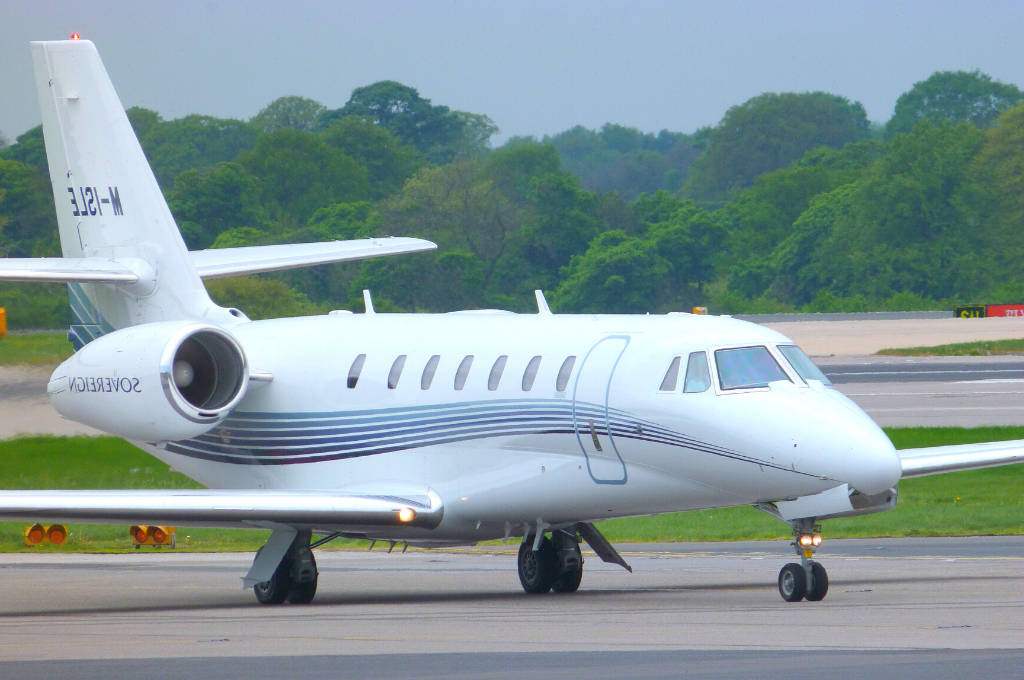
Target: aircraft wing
[66,270]
[221,262]
[938,459]
[241,508]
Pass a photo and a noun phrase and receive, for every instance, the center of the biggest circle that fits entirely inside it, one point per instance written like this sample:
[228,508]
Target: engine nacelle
[155,382]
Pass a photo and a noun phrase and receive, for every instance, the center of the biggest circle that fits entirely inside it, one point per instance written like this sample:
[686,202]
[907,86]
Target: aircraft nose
[874,465]
[852,448]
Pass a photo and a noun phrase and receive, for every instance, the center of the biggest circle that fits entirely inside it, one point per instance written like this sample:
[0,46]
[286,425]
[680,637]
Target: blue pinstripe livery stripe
[259,438]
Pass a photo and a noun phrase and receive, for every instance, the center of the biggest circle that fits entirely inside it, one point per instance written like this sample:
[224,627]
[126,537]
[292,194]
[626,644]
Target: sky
[534,67]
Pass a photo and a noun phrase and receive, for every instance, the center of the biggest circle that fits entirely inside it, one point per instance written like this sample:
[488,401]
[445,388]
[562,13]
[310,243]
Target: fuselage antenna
[542,304]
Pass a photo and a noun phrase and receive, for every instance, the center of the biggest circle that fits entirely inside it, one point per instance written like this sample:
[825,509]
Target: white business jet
[420,429]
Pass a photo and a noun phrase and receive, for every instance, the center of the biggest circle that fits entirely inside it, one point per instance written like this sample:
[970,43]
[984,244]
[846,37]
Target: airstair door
[590,410]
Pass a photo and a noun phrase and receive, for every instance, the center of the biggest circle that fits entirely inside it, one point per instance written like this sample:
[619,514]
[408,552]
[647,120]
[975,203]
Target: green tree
[194,143]
[769,132]
[295,113]
[625,159]
[210,202]
[953,96]
[299,173]
[27,211]
[993,200]
[618,274]
[142,120]
[458,207]
[28,149]
[900,229]
[441,134]
[388,162]
[260,298]
[428,282]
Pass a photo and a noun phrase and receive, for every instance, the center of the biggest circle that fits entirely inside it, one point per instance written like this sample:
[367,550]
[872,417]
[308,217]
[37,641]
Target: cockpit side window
[697,379]
[747,367]
[668,383]
[803,365]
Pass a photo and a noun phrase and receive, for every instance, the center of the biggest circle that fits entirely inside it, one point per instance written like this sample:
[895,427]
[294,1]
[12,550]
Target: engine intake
[202,372]
[155,382]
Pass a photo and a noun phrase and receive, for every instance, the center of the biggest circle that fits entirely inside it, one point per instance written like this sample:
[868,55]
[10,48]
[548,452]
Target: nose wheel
[807,580]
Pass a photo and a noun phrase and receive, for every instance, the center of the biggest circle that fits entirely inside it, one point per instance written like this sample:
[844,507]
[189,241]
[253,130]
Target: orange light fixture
[406,515]
[37,533]
[57,534]
[152,535]
[34,534]
[75,36]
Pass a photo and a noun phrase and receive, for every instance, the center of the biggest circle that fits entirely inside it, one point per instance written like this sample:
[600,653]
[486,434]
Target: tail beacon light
[155,382]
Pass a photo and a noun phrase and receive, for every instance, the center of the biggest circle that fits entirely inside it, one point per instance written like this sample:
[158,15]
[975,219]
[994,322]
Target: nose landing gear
[807,580]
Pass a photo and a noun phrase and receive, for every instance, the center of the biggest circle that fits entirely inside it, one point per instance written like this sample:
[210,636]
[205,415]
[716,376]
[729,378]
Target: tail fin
[124,260]
[109,206]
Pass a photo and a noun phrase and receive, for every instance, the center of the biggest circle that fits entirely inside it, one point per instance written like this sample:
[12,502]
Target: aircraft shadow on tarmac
[328,599]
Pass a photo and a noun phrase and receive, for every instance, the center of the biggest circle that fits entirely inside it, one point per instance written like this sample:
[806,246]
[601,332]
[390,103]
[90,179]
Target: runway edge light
[144,534]
[56,534]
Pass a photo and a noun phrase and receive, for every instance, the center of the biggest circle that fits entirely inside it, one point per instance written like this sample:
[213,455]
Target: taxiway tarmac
[885,594]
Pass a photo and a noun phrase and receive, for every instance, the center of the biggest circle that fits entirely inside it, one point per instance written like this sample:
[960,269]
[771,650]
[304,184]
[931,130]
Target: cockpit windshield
[802,363]
[747,367]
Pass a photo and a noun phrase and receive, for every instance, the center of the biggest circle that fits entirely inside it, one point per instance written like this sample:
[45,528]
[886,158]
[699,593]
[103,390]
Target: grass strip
[35,349]
[978,502]
[983,348]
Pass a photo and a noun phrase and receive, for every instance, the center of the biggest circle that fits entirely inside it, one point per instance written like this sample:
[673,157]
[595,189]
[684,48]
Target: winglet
[542,304]
[368,302]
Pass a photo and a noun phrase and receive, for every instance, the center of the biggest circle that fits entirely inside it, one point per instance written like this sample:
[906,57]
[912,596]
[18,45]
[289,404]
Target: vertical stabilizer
[109,204]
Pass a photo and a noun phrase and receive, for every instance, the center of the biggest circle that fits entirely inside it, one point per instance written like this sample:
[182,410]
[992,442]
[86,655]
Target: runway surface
[932,391]
[711,601]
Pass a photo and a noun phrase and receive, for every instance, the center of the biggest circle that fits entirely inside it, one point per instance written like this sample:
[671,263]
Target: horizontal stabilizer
[66,270]
[938,459]
[222,262]
[222,508]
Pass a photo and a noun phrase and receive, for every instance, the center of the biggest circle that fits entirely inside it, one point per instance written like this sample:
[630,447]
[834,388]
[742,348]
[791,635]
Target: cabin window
[496,370]
[357,368]
[463,372]
[803,365]
[747,367]
[697,377]
[428,372]
[396,372]
[563,374]
[530,374]
[668,383]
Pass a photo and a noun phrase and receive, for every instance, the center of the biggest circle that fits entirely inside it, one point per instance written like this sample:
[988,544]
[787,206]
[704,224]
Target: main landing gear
[294,579]
[807,580]
[556,564]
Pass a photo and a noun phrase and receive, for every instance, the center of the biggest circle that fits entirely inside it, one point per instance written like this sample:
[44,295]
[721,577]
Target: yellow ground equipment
[3,322]
[151,535]
[699,310]
[37,533]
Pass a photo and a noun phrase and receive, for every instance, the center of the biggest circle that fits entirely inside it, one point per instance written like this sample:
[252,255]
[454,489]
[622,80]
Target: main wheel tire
[568,583]
[819,583]
[792,582]
[274,591]
[302,593]
[537,567]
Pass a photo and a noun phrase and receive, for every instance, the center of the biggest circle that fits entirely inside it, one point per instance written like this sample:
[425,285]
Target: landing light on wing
[406,515]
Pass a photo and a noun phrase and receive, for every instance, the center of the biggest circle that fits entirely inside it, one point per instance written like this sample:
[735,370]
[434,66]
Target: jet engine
[155,382]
